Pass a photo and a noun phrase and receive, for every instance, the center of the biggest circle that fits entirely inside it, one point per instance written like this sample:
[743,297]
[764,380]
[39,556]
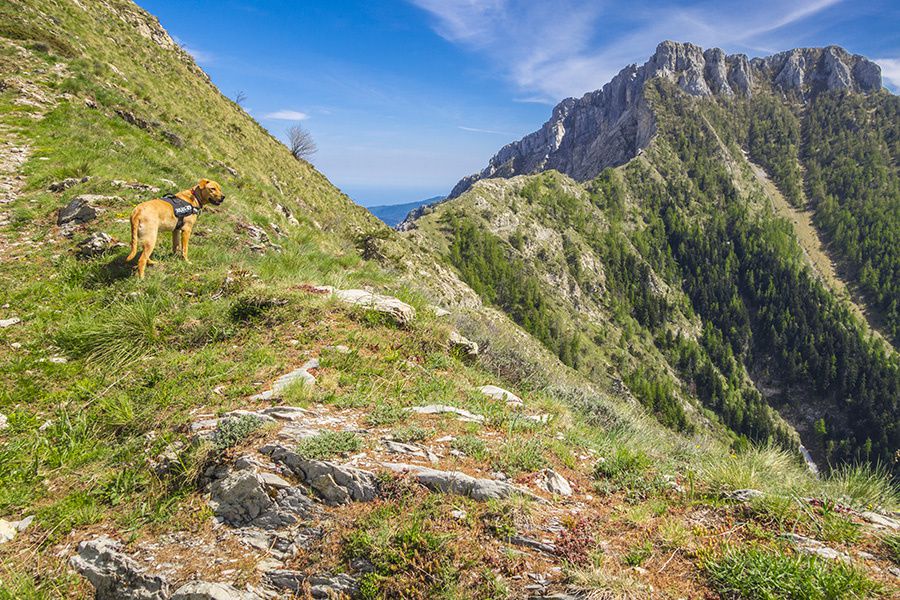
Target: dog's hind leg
[135,234]
[144,260]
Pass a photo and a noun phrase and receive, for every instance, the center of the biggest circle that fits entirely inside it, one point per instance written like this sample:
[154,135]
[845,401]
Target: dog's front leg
[185,236]
[176,242]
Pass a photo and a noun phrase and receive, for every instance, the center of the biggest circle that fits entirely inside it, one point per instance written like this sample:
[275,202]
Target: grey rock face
[608,127]
[76,211]
[201,590]
[335,484]
[242,498]
[455,482]
[114,575]
[320,586]
[744,495]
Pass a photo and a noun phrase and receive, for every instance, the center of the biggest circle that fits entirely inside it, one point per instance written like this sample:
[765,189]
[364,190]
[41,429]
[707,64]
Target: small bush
[863,487]
[231,431]
[758,573]
[519,455]
[412,433]
[623,463]
[636,555]
[386,414]
[471,446]
[329,444]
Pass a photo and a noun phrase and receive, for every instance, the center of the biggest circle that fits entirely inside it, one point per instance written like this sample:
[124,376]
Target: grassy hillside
[106,381]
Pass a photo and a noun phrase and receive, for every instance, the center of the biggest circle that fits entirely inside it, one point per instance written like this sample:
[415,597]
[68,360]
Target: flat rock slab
[401,312]
[114,575]
[10,322]
[335,484]
[436,409]
[879,520]
[456,482]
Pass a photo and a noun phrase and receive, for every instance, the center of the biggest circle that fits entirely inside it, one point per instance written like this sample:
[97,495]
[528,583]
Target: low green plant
[518,455]
[472,446]
[328,444]
[637,554]
[232,431]
[386,414]
[622,464]
[892,543]
[863,487]
[755,572]
[126,331]
[412,433]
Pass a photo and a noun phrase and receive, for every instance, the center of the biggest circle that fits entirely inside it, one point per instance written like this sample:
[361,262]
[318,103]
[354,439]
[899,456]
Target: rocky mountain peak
[609,126]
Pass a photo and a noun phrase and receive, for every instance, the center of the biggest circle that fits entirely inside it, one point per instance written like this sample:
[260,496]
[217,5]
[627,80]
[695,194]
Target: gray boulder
[114,575]
[301,375]
[61,186]
[436,409]
[456,482]
[554,483]
[335,484]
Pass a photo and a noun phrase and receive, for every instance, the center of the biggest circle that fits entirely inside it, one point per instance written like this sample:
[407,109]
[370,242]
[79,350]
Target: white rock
[880,520]
[4,421]
[401,312]
[10,322]
[498,393]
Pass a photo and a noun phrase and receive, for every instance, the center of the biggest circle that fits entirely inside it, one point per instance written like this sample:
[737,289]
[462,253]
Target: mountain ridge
[609,126]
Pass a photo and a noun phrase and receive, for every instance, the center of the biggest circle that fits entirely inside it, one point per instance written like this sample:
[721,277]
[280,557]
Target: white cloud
[479,130]
[890,71]
[287,115]
[554,49]
[201,57]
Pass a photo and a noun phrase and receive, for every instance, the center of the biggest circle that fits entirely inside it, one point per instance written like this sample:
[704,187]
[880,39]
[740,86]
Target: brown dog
[148,218]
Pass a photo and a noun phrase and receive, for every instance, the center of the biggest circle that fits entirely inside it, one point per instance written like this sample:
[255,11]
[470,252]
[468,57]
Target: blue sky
[405,97]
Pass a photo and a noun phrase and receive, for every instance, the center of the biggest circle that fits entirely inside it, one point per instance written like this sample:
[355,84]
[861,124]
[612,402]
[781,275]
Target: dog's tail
[134,236]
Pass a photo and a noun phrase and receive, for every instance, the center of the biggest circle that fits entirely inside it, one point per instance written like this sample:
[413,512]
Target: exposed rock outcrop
[455,482]
[611,125]
[335,484]
[114,575]
[202,590]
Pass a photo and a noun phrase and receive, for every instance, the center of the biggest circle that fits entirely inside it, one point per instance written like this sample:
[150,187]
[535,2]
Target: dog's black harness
[182,209]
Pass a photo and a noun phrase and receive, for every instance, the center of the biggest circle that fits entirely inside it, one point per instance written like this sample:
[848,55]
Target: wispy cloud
[890,71]
[201,57]
[287,115]
[479,130]
[550,50]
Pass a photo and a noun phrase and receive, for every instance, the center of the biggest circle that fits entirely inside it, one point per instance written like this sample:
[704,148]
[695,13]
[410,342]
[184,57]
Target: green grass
[751,573]
[329,444]
[637,554]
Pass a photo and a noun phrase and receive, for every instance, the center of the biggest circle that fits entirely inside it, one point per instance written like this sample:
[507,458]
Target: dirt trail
[815,251]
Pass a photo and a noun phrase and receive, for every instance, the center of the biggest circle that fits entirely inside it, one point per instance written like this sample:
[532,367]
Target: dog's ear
[203,183]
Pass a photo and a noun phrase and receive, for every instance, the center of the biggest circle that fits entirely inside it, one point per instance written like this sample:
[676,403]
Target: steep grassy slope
[106,380]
